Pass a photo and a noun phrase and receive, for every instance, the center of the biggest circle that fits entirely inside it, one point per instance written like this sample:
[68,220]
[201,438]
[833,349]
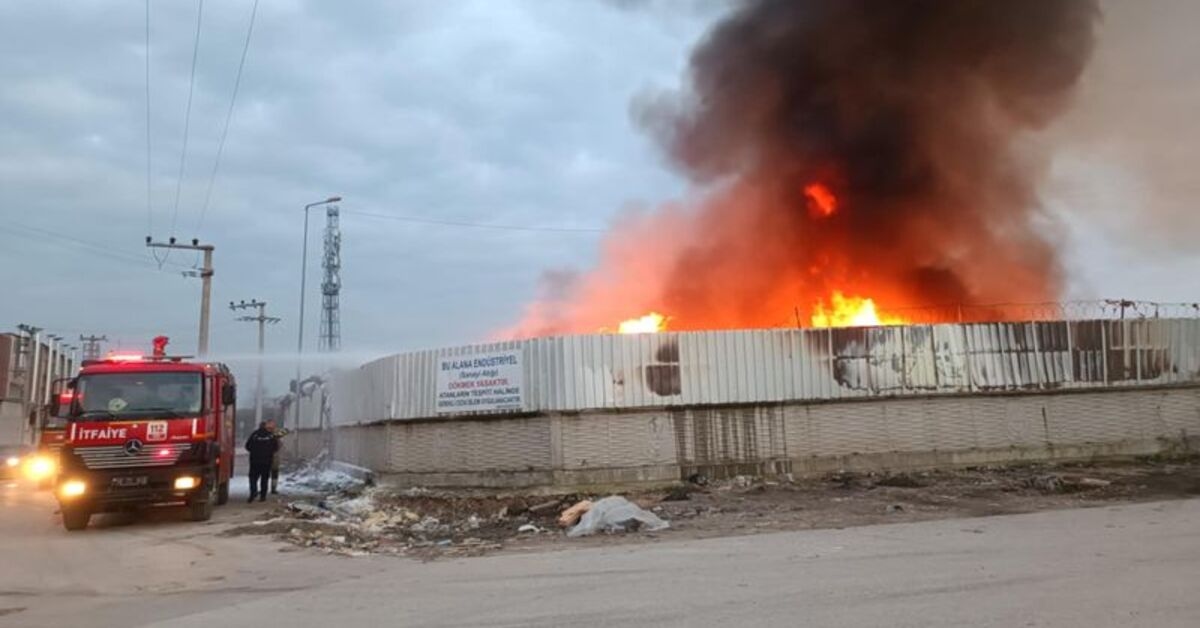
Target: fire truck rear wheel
[223,493]
[201,509]
[75,518]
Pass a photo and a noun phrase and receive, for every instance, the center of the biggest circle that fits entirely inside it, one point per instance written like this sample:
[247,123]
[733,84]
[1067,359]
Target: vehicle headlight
[12,461]
[39,467]
[186,482]
[72,488]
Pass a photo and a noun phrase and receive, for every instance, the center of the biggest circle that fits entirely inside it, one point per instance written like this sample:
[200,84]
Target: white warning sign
[482,381]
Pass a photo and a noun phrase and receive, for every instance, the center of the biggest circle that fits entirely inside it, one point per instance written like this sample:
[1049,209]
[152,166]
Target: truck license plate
[130,481]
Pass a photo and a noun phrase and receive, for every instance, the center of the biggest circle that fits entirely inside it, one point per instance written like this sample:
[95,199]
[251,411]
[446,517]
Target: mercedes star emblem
[133,447]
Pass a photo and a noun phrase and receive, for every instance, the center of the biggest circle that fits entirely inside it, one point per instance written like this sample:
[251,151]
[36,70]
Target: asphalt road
[1126,565]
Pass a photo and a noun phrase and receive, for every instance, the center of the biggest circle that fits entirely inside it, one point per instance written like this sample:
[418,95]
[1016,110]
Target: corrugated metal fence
[726,367]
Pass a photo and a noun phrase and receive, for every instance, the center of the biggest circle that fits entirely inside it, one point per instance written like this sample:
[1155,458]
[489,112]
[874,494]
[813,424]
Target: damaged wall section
[692,369]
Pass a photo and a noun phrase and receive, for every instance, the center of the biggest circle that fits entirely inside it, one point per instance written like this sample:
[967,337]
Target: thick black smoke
[916,115]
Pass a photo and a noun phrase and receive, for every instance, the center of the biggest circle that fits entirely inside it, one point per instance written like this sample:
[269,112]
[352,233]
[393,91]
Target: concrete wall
[12,415]
[662,445]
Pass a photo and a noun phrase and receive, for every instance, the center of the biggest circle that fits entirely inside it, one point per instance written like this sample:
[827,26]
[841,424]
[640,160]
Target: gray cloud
[474,111]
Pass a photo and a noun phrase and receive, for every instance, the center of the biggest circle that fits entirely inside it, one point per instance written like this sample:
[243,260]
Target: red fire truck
[146,430]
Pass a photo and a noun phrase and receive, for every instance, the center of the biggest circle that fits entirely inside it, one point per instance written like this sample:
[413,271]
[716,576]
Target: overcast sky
[493,111]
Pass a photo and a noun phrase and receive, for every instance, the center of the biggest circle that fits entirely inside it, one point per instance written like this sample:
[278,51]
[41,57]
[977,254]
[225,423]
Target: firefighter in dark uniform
[262,446]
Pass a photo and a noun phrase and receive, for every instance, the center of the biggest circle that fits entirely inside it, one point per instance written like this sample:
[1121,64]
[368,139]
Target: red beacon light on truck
[124,357]
[160,347]
[159,355]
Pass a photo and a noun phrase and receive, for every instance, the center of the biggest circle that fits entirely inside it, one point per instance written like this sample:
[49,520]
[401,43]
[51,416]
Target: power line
[149,168]
[140,263]
[187,119]
[237,81]
[149,203]
[474,225]
[65,241]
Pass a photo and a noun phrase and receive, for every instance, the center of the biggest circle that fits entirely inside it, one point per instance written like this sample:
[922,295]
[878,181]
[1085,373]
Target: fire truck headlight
[186,482]
[72,488]
[12,461]
[39,467]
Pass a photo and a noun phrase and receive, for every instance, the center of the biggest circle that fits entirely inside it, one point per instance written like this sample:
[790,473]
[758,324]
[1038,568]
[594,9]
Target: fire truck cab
[145,431]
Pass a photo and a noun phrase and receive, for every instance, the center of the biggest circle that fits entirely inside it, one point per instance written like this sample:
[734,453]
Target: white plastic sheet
[616,514]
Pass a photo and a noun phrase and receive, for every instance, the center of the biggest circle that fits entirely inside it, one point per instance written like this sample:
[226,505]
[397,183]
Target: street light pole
[303,283]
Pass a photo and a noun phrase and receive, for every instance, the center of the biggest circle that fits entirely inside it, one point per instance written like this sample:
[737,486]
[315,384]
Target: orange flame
[648,324]
[820,199]
[844,311]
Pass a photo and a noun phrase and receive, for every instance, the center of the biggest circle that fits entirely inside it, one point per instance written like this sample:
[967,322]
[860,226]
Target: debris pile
[358,520]
[354,519]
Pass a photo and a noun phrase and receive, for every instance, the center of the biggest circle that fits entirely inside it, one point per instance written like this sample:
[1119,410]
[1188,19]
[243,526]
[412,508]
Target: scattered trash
[1045,483]
[615,514]
[306,511]
[699,479]
[678,493]
[1054,483]
[545,506]
[900,480]
[529,527]
[743,481]
[428,524]
[893,509]
[573,514]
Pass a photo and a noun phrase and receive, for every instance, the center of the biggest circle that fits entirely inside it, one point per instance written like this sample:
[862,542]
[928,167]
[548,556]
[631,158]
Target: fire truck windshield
[130,395]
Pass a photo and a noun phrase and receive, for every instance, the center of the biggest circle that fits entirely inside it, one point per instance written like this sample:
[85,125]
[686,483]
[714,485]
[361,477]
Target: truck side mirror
[229,394]
[55,404]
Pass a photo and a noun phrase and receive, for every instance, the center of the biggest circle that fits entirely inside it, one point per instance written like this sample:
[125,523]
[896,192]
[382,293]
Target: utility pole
[91,346]
[206,274]
[262,319]
[68,361]
[51,366]
[30,373]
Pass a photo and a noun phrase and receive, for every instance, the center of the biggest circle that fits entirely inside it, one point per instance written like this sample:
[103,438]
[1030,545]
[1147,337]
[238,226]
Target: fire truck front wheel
[201,507]
[75,517]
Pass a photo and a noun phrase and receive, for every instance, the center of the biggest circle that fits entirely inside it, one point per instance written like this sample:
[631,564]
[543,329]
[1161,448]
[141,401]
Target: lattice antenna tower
[331,287]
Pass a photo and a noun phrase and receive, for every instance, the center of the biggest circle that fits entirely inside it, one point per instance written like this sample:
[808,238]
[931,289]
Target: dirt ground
[428,525]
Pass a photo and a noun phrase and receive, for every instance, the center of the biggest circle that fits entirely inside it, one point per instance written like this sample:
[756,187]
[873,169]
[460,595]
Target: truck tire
[201,507]
[223,493]
[75,517]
